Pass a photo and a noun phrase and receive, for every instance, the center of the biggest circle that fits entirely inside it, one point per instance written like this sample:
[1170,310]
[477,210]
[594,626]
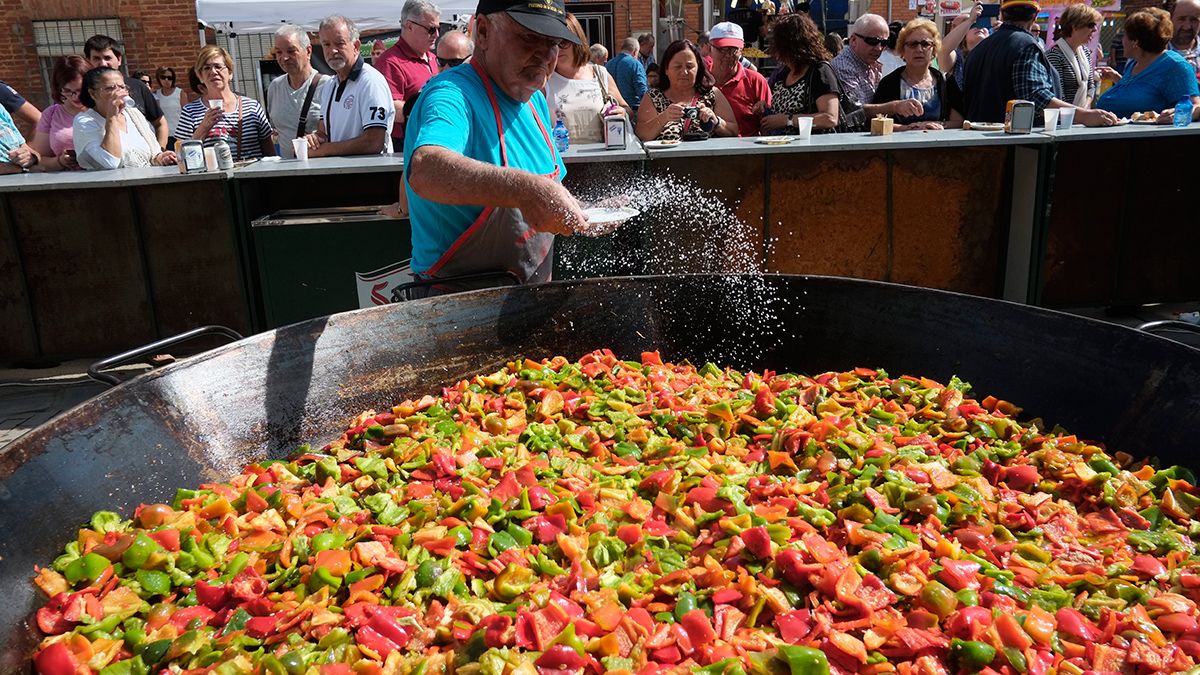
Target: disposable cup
[803,128]
[214,102]
[1051,118]
[1066,117]
[210,159]
[300,148]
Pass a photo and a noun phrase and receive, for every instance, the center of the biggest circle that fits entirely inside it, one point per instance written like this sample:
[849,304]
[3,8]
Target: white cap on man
[727,34]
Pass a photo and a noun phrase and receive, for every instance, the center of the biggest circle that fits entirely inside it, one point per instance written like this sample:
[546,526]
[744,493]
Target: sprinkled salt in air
[684,229]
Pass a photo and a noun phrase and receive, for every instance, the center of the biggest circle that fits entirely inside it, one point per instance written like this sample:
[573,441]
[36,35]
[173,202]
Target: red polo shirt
[743,90]
[406,72]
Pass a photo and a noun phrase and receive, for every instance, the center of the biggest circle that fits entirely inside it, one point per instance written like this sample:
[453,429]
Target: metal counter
[96,262]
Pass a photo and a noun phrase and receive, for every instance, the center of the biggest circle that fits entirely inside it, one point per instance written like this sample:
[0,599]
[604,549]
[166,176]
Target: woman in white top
[111,135]
[170,99]
[579,91]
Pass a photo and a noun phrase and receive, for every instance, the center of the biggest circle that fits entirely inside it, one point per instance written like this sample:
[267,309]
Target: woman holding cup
[221,113]
[113,134]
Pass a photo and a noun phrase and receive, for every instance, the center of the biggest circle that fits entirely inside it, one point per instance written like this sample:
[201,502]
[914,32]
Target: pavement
[31,397]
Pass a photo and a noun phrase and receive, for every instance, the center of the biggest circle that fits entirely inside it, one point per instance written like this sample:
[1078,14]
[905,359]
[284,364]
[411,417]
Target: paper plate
[1147,122]
[604,220]
[986,126]
[661,145]
[774,140]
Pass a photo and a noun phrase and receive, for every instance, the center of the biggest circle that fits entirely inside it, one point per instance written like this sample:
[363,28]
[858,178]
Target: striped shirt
[244,138]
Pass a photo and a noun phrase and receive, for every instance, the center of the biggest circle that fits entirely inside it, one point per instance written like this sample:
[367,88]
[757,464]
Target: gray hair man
[454,48]
[516,202]
[646,50]
[292,101]
[357,104]
[858,68]
[1186,18]
[408,64]
[628,72]
[599,54]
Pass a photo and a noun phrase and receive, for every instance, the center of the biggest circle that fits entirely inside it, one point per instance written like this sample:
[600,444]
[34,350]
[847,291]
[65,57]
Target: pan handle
[400,293]
[93,370]
[1169,325]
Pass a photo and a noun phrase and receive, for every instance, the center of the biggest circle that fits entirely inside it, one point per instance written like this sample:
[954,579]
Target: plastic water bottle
[1183,112]
[562,137]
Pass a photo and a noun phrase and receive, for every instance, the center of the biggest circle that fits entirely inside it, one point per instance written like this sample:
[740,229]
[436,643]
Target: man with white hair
[858,68]
[357,105]
[408,64]
[486,125]
[1186,18]
[629,74]
[599,54]
[292,102]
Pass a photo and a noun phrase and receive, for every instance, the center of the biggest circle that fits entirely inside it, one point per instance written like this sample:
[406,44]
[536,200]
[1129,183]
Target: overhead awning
[264,16]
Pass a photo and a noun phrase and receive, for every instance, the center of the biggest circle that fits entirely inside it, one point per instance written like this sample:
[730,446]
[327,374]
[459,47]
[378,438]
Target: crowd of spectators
[100,118]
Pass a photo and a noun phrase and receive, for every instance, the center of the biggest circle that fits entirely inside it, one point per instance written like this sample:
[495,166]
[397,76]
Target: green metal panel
[307,268]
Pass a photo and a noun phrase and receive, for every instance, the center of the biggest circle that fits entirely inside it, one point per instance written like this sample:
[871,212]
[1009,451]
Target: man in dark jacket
[1011,64]
[102,50]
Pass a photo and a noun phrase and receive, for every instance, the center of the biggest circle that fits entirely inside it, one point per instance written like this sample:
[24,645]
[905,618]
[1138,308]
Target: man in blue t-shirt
[482,176]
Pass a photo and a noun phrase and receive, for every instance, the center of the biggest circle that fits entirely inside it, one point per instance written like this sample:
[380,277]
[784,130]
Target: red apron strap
[487,84]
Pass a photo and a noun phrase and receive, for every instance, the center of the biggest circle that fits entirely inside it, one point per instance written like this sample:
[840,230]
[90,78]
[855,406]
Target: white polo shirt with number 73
[363,101]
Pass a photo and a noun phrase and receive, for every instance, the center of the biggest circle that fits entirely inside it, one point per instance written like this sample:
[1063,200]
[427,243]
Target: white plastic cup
[215,103]
[1066,117]
[300,148]
[803,128]
[1051,118]
[210,159]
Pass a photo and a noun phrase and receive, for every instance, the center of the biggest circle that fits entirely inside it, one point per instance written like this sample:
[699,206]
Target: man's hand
[393,210]
[759,107]
[315,140]
[23,156]
[549,207]
[907,107]
[1095,117]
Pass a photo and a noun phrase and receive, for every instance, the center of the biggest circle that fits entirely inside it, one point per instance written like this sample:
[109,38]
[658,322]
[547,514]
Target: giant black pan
[203,418]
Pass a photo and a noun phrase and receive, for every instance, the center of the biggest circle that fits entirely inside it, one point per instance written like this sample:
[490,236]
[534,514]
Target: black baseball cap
[545,17]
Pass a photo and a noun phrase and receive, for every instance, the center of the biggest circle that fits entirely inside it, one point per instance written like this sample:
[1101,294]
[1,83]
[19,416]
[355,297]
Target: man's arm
[370,142]
[437,174]
[1033,82]
[163,131]
[29,114]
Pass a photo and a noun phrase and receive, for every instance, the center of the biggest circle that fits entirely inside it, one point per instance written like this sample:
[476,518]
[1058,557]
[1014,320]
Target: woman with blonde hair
[579,91]
[918,41]
[222,113]
[1071,58]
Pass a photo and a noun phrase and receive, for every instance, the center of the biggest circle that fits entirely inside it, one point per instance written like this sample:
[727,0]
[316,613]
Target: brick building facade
[155,33]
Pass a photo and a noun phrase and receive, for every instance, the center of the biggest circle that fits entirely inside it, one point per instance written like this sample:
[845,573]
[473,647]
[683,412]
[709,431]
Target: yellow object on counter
[882,125]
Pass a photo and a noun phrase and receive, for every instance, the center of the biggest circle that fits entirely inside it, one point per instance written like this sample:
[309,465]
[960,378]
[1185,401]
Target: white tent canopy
[264,16]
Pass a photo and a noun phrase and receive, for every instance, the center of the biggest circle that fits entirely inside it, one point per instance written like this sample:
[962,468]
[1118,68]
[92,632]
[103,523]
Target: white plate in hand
[604,220]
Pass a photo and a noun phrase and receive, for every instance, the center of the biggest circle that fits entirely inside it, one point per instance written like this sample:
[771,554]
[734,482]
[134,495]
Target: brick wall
[155,33]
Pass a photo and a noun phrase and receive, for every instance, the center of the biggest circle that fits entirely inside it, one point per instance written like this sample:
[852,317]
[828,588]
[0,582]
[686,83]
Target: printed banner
[375,288]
